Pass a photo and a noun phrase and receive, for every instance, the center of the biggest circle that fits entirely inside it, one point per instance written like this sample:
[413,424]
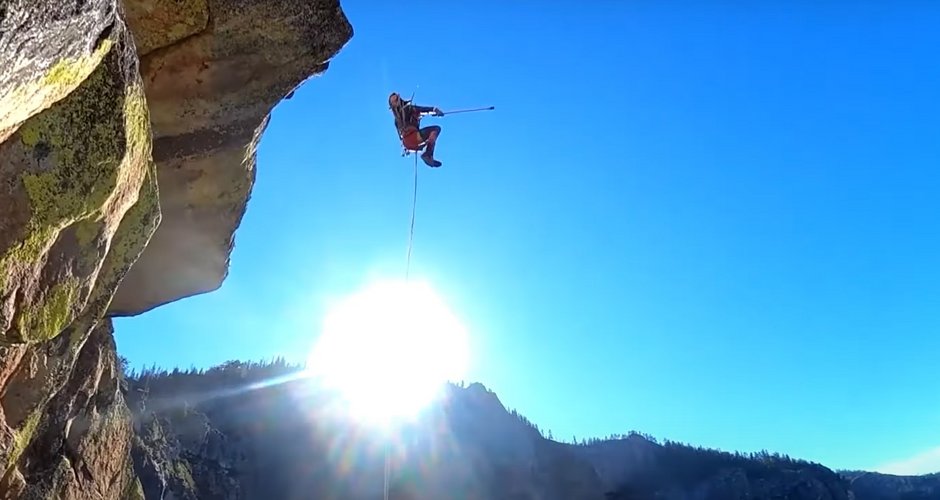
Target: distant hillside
[258,430]
[637,468]
[874,486]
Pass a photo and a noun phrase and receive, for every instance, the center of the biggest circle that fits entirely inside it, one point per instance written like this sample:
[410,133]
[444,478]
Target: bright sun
[388,349]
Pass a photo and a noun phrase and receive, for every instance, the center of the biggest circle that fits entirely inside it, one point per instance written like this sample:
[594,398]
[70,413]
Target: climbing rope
[387,466]
[411,233]
[411,237]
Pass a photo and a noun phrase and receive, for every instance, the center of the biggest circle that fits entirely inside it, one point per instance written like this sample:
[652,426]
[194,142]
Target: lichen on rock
[52,313]
[79,164]
[23,436]
[80,204]
[84,191]
[42,58]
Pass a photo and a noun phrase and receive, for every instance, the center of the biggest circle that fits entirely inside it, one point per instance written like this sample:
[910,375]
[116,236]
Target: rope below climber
[415,138]
[411,232]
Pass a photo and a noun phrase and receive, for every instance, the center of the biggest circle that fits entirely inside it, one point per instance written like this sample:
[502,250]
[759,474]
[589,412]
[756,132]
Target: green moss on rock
[59,81]
[136,228]
[137,124]
[141,219]
[88,180]
[182,472]
[49,317]
[85,168]
[24,435]
[84,165]
[72,72]
[25,251]
[87,231]
[134,490]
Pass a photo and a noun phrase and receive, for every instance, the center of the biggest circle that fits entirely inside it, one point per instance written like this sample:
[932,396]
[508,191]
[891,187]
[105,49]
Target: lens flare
[388,349]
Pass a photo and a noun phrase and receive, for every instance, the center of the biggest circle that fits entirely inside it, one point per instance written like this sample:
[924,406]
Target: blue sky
[712,223]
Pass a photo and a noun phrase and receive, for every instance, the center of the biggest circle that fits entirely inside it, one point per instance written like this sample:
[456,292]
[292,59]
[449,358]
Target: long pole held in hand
[469,110]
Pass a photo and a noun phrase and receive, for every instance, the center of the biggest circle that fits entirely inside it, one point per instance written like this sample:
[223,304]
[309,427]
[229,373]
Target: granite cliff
[127,139]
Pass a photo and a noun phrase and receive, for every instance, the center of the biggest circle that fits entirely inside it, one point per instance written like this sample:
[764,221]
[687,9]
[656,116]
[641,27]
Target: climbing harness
[411,141]
[409,135]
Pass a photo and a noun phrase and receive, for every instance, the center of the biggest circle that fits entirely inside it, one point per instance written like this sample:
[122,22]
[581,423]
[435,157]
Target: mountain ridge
[246,430]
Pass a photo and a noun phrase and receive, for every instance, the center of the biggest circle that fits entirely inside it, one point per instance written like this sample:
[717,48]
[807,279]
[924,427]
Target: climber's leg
[429,135]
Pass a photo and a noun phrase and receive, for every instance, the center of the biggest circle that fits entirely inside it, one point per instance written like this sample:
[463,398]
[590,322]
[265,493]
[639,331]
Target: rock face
[69,177]
[78,445]
[47,50]
[80,203]
[169,464]
[212,71]
[81,109]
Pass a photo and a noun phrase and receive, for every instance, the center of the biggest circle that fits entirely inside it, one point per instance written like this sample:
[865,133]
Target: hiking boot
[429,160]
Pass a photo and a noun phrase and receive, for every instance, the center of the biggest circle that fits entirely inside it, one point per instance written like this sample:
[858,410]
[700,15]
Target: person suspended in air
[408,123]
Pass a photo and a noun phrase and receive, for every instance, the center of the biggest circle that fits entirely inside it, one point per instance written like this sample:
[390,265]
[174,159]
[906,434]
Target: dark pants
[426,132]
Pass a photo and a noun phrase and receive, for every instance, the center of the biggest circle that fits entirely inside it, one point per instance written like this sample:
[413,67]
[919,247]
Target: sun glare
[388,349]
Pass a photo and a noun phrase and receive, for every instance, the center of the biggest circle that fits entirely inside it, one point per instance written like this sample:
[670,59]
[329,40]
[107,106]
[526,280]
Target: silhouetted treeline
[612,437]
[193,385]
[681,465]
[875,486]
[242,369]
[525,421]
[650,466]
[677,461]
[697,460]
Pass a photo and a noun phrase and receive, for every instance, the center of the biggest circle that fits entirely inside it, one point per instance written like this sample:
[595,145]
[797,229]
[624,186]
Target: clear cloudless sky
[715,222]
